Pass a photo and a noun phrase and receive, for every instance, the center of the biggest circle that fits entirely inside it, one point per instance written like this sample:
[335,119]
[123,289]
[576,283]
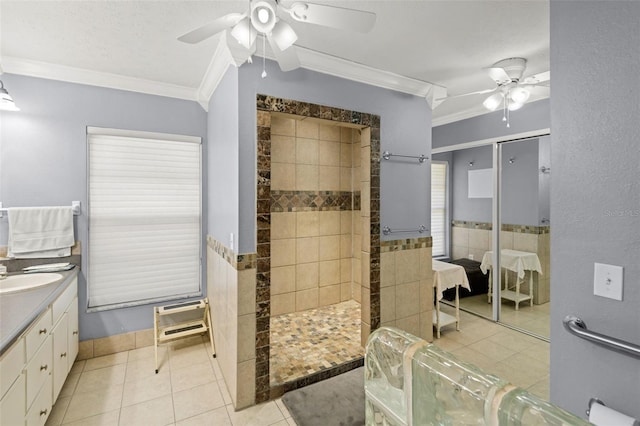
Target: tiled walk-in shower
[308,342]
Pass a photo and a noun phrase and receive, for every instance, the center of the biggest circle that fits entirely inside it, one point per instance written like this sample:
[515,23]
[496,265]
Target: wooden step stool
[183,329]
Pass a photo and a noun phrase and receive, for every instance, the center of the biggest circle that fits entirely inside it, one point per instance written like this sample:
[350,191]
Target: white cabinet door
[13,406]
[72,315]
[60,354]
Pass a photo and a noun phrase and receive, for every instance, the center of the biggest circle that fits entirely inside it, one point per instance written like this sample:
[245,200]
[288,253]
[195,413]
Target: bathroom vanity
[38,346]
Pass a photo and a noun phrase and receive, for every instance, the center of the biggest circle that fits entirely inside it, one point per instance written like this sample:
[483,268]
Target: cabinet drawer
[41,408]
[38,333]
[12,406]
[39,370]
[63,301]
[11,365]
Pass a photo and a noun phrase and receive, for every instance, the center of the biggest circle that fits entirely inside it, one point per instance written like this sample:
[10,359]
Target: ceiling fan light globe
[514,106]
[493,101]
[263,15]
[244,32]
[519,95]
[283,35]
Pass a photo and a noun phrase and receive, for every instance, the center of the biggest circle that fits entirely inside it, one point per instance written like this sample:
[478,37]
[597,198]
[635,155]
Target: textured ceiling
[443,42]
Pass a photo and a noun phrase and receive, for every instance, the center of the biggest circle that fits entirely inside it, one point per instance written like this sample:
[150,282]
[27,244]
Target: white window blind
[439,207]
[144,217]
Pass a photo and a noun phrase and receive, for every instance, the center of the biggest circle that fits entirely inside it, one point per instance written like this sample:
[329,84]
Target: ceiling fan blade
[287,59]
[499,75]
[538,78]
[212,28]
[332,16]
[479,92]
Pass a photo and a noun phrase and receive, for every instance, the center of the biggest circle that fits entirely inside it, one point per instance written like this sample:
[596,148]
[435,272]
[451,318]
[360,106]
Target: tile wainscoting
[474,239]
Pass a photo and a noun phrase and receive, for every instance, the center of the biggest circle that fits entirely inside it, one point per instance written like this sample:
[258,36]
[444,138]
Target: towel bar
[421,158]
[75,206]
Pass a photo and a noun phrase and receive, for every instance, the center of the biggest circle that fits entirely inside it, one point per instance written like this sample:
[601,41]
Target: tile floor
[534,319]
[123,389]
[519,358]
[303,343]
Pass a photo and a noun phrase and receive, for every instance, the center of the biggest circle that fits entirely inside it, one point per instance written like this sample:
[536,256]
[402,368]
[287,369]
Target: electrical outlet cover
[607,281]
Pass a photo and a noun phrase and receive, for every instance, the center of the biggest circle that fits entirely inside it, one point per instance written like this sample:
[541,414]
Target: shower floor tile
[304,343]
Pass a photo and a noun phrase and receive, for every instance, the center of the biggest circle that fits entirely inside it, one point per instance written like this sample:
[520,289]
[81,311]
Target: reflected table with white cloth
[446,276]
[519,262]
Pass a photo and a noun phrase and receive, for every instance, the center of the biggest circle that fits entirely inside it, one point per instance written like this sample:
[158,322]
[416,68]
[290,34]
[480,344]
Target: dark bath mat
[338,401]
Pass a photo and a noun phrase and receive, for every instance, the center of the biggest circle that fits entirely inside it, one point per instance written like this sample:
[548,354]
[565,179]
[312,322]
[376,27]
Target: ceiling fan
[267,18]
[512,91]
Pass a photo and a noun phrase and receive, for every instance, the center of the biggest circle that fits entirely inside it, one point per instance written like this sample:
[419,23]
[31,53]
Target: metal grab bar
[421,158]
[575,325]
[386,230]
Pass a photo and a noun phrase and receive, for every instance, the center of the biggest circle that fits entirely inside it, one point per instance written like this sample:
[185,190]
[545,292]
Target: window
[439,207]
[144,217]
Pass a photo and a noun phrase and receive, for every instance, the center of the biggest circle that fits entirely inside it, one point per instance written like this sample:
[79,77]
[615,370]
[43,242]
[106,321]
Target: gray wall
[465,208]
[532,116]
[43,159]
[222,133]
[405,129]
[520,198]
[595,197]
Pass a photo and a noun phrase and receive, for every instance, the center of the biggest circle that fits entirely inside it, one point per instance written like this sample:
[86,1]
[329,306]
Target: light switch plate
[607,281]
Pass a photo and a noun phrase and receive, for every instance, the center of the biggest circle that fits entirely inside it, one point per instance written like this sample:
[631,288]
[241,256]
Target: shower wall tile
[306,177]
[307,276]
[329,224]
[307,224]
[307,249]
[329,295]
[307,151]
[283,252]
[283,279]
[282,126]
[306,299]
[283,176]
[329,273]
[283,225]
[307,129]
[330,247]
[329,133]
[283,303]
[479,239]
[283,149]
[329,179]
[329,153]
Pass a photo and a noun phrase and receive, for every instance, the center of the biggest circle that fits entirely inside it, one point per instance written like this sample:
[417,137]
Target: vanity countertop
[18,310]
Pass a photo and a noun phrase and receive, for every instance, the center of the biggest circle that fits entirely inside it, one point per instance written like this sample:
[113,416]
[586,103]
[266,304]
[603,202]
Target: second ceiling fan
[266,17]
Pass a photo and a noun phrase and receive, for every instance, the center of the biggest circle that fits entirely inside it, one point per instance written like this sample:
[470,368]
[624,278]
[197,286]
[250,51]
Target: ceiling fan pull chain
[508,110]
[264,55]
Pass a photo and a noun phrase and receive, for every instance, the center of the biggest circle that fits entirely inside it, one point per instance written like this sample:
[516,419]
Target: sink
[27,281]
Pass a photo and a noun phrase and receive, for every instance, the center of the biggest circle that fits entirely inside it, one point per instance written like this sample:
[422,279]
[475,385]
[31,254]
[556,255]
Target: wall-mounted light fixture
[6,101]
[512,160]
[471,163]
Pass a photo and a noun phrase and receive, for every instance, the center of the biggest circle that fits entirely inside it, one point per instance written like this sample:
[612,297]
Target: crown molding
[342,68]
[220,62]
[50,71]
[462,115]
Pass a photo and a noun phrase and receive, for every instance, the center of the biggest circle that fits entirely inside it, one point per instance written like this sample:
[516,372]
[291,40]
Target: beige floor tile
[105,419]
[186,356]
[216,368]
[148,352]
[447,344]
[513,340]
[282,422]
[191,376]
[532,365]
[541,389]
[58,411]
[197,400]
[225,392]
[78,367]
[217,417]
[291,422]
[492,350]
[283,408]
[258,415]
[146,389]
[144,368]
[88,404]
[158,411]
[70,384]
[474,357]
[106,361]
[102,378]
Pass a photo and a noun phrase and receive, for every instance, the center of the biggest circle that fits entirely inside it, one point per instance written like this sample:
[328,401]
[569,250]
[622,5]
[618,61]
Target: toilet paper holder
[591,402]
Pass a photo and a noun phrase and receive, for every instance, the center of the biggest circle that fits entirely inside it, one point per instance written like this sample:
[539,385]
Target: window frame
[447,210]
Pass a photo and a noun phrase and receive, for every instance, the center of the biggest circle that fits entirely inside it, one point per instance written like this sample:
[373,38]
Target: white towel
[40,232]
